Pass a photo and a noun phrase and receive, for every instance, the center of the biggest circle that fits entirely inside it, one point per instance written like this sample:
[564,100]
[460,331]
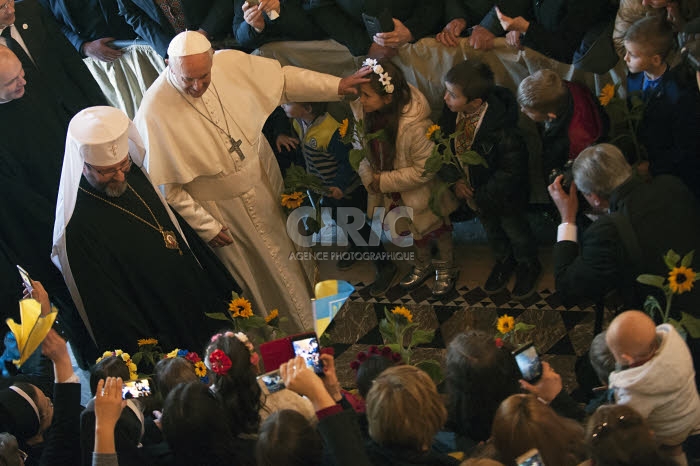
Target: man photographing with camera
[639,223]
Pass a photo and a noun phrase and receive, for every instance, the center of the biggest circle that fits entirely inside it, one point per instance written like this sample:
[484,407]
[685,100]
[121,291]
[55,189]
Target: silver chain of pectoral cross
[235,145]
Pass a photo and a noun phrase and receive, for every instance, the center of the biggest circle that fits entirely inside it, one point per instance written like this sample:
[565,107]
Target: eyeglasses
[126,166]
[7,5]
[22,455]
[602,430]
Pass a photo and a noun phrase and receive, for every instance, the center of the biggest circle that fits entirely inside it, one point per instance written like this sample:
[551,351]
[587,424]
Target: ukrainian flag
[330,297]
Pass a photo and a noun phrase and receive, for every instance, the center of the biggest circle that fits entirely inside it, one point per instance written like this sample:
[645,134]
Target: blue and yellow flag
[330,297]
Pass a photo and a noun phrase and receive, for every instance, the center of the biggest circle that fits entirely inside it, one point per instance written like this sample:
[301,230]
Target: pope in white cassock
[202,121]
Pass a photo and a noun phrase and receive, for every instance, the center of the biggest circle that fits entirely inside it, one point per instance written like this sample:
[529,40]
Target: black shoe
[385,276]
[499,276]
[527,275]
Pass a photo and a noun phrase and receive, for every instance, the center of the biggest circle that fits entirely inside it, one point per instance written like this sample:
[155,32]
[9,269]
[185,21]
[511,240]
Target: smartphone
[529,362]
[380,23]
[136,389]
[530,458]
[25,278]
[306,346]
[271,382]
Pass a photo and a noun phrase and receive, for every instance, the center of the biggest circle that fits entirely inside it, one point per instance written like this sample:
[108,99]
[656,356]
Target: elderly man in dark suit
[640,223]
[157,22]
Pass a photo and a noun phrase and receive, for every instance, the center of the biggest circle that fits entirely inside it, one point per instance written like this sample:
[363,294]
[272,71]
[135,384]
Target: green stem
[667,312]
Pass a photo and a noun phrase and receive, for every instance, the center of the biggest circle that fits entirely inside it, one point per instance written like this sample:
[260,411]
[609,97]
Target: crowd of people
[143,228]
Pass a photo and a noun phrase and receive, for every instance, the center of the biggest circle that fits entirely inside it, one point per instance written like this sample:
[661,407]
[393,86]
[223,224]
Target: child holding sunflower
[485,119]
[326,156]
[393,170]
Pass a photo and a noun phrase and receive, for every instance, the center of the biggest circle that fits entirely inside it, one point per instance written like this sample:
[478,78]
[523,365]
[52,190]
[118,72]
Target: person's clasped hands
[449,35]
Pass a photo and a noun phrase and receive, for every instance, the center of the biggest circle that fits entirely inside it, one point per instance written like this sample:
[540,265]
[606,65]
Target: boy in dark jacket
[668,129]
[485,118]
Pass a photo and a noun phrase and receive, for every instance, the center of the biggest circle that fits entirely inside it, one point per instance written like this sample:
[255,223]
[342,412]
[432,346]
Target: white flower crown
[384,77]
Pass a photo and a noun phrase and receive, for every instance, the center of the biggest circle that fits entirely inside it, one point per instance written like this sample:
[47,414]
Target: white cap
[188,43]
[101,134]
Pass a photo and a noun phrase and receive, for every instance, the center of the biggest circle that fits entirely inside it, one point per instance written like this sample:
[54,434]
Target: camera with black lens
[568,175]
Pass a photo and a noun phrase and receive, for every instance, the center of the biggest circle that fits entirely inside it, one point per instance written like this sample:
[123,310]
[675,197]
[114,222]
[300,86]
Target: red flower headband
[385,352]
[243,338]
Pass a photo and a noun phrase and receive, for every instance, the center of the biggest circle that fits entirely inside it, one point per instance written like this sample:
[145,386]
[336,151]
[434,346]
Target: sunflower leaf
[217,315]
[651,305]
[523,327]
[687,260]
[671,258]
[432,368]
[387,331]
[422,337]
[691,324]
[652,280]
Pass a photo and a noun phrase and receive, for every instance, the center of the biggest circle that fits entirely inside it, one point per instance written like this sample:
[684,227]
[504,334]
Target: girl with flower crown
[393,170]
[233,366]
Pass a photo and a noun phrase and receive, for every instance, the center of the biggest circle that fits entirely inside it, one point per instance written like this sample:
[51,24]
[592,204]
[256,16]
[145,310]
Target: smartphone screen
[307,348]
[271,382]
[136,389]
[529,362]
[25,278]
[530,458]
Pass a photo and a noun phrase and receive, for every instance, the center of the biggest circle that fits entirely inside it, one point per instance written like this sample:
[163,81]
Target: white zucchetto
[188,43]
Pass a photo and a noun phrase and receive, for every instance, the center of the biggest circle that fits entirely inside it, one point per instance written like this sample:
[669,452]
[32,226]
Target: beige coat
[412,151]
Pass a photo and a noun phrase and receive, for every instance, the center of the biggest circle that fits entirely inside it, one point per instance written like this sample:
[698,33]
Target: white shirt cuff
[72,379]
[567,232]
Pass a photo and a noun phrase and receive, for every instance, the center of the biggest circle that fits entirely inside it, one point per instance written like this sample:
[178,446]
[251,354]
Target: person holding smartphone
[257,22]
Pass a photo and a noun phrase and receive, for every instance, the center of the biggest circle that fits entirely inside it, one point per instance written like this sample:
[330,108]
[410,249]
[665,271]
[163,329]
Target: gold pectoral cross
[236,147]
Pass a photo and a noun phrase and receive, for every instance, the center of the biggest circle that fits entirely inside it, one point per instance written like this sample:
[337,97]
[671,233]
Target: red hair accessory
[499,342]
[373,350]
[219,362]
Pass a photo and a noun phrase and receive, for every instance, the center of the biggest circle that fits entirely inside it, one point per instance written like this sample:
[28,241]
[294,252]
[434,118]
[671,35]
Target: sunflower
[343,130]
[272,316]
[147,341]
[292,201]
[680,279]
[505,323]
[240,307]
[200,369]
[606,94]
[402,311]
[432,129]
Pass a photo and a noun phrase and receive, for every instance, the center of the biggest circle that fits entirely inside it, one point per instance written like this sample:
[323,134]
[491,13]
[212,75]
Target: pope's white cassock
[211,184]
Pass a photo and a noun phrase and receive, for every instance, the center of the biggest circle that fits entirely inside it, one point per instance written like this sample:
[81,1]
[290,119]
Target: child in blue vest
[668,129]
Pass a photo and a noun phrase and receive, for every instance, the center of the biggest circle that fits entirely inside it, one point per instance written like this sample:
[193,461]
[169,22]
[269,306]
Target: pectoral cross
[236,147]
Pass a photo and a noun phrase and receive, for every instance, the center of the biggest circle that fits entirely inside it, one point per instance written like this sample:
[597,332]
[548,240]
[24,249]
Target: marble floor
[561,334]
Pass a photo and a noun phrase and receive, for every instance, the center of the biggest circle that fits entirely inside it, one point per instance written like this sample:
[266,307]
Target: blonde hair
[404,408]
[543,91]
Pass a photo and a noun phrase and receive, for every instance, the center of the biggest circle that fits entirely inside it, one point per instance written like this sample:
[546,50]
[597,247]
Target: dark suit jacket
[62,447]
[62,72]
[343,20]
[87,20]
[149,22]
[556,26]
[663,215]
